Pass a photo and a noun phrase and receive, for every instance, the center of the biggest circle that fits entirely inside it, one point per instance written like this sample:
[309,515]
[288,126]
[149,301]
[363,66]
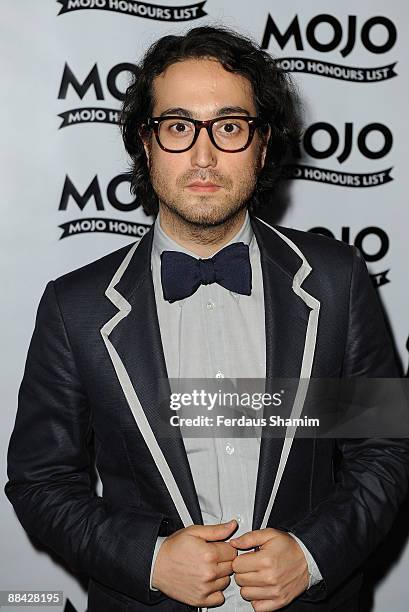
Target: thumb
[252,539]
[215,532]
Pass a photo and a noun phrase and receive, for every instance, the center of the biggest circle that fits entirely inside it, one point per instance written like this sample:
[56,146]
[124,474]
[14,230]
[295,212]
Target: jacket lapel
[134,344]
[287,321]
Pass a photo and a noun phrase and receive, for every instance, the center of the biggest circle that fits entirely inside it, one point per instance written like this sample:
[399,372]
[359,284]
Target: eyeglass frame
[253,123]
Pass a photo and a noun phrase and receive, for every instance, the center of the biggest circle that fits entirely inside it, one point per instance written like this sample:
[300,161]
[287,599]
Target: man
[210,291]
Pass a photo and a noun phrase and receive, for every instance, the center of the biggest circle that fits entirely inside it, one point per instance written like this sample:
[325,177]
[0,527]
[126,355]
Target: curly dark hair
[275,97]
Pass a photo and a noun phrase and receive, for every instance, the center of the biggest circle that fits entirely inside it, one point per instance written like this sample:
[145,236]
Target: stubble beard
[204,215]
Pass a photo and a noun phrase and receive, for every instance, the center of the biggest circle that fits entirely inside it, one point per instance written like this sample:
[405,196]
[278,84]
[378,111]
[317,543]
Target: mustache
[205,175]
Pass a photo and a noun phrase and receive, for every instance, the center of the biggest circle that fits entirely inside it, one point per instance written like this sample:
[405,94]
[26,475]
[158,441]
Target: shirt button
[219,374]
[210,305]
[239,518]
[229,448]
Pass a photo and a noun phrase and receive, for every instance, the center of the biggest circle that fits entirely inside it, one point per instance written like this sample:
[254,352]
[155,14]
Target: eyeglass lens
[229,134]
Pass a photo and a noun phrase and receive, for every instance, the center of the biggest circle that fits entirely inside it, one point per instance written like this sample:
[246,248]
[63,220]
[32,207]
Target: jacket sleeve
[372,481]
[49,470]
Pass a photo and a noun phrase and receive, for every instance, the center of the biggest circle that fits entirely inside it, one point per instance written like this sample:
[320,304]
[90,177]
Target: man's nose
[203,152]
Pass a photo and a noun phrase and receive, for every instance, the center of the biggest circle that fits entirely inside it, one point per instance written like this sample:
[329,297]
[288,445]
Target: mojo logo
[71,84]
[93,193]
[138,9]
[372,241]
[338,36]
[340,144]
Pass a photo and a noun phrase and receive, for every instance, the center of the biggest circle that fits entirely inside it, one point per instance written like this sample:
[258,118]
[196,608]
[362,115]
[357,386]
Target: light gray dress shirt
[216,333]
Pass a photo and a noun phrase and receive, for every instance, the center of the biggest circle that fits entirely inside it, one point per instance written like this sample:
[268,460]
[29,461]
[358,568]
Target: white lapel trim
[306,366]
[142,422]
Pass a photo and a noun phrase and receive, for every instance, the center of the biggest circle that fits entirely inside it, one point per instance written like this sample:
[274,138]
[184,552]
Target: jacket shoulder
[319,250]
[94,276]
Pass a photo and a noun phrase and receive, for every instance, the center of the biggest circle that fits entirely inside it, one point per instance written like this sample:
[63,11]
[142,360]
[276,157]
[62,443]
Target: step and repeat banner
[65,197]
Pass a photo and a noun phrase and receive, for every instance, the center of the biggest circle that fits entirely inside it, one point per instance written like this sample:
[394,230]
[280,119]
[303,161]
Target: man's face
[199,89]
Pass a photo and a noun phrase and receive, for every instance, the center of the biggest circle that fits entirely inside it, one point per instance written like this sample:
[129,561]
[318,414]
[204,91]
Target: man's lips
[203,186]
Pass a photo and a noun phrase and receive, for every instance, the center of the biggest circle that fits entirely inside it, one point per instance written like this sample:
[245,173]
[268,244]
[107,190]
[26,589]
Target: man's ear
[148,159]
[144,138]
[266,138]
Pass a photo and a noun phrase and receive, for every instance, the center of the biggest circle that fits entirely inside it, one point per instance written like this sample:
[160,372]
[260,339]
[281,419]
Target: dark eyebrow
[220,112]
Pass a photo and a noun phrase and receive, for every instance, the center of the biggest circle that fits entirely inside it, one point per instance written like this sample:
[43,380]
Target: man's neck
[204,241]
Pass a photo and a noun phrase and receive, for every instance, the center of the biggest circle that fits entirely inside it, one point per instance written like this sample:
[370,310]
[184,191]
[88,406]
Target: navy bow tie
[183,274]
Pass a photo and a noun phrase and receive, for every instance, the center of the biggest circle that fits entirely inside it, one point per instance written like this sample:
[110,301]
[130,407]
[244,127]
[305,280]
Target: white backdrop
[64,66]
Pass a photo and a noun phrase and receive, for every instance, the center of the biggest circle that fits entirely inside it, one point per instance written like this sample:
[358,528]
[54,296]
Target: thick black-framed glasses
[231,134]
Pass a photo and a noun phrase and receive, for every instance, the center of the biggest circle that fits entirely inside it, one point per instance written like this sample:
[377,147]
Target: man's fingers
[224,569]
[251,539]
[256,593]
[211,533]
[220,583]
[267,605]
[225,552]
[249,579]
[247,562]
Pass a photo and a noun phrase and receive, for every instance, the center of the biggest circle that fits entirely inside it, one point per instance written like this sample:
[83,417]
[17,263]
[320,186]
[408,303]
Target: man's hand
[272,576]
[193,567]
